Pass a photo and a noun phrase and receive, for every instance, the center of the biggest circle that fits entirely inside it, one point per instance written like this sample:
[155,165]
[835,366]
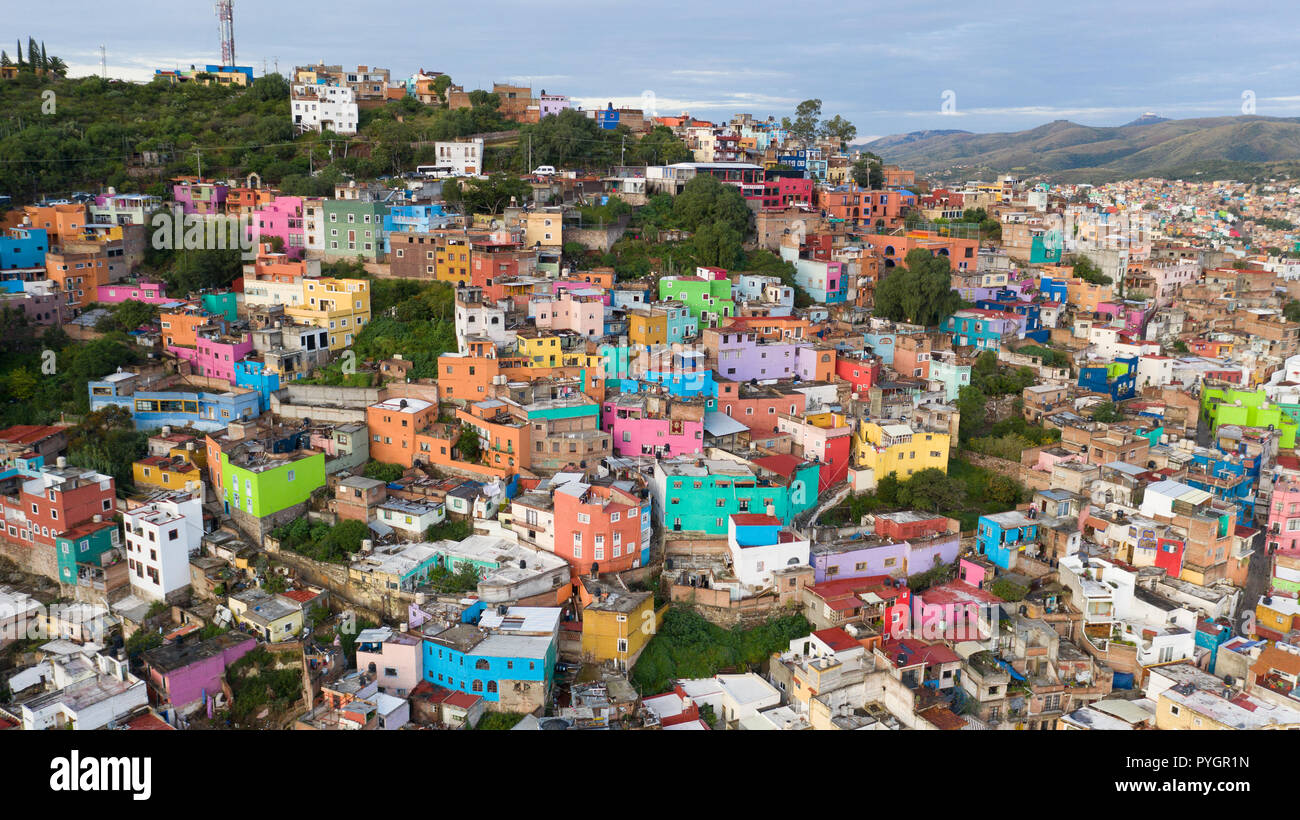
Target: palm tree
[57,67]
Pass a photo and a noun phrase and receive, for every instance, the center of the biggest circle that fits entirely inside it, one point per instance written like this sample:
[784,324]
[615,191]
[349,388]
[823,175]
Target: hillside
[1065,151]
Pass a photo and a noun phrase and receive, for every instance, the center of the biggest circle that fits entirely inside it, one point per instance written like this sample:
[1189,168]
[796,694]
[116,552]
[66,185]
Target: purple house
[180,673]
[197,197]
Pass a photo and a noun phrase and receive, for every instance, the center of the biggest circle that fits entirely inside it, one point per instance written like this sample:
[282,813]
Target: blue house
[1227,477]
[1003,536]
[607,119]
[1007,302]
[23,248]
[252,374]
[1117,379]
[1211,636]
[413,219]
[205,410]
[1053,289]
[514,651]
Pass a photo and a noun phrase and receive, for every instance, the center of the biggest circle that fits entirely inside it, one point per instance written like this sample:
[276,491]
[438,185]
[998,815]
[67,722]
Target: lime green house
[268,491]
[707,295]
[1250,408]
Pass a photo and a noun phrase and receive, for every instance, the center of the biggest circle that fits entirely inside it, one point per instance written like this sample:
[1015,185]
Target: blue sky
[1009,64]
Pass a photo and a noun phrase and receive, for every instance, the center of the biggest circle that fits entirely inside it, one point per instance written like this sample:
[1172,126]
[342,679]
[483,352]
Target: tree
[383,472]
[972,404]
[1292,310]
[468,445]
[487,196]
[660,147]
[804,127]
[868,172]
[1084,269]
[706,199]
[838,128]
[920,292]
[1003,490]
[1107,413]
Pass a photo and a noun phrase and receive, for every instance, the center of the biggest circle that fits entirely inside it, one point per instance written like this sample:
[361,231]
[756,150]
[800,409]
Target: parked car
[544,171]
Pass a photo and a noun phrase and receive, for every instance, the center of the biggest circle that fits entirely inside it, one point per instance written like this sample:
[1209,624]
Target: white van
[544,171]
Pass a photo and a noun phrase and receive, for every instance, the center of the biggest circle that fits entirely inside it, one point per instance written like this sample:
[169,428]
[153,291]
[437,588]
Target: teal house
[698,495]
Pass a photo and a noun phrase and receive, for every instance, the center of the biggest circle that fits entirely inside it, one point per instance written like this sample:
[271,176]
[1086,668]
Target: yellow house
[1279,615]
[646,327]
[616,625]
[544,227]
[170,472]
[541,350]
[1205,710]
[341,306]
[897,448]
[274,618]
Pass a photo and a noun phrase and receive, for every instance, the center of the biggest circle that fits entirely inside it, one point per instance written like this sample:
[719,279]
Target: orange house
[912,356]
[181,327]
[893,249]
[79,275]
[505,439]
[600,277]
[393,426]
[466,377]
[61,222]
[247,200]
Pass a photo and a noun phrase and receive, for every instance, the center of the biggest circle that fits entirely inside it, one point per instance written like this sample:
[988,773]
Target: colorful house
[80,549]
[1249,408]
[898,449]
[1001,537]
[1118,379]
[698,495]
[707,294]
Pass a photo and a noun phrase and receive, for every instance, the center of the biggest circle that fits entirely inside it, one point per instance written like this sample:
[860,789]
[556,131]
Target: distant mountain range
[1244,147]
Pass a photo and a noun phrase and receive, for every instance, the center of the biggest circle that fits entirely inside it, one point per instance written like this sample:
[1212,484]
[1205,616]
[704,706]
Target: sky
[998,65]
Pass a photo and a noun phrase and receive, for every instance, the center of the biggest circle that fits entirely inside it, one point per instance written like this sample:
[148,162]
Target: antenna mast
[226,26]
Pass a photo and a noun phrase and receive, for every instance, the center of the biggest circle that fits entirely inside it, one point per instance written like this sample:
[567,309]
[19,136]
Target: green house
[354,229]
[84,544]
[1250,408]
[222,304]
[699,495]
[707,295]
[270,485]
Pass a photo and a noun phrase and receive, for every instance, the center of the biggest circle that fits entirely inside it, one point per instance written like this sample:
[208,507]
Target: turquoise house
[699,495]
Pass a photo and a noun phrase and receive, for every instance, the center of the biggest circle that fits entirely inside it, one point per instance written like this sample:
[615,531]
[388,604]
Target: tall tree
[838,128]
[919,293]
[19,44]
[806,117]
[34,54]
[868,172]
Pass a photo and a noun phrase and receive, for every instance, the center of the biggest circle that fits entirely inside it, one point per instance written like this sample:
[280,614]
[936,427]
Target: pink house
[153,293]
[215,356]
[180,675]
[1134,317]
[635,432]
[1283,533]
[584,315]
[283,218]
[393,659]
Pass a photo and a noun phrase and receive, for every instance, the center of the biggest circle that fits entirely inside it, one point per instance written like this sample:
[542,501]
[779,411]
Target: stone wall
[1001,466]
[37,560]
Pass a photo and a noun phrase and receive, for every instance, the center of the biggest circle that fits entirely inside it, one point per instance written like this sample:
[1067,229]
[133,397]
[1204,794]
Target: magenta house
[215,356]
[153,293]
[180,674]
[635,433]
[207,198]
[282,217]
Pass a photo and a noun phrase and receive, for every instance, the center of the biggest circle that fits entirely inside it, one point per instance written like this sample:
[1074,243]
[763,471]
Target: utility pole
[198,152]
[103,62]
[622,147]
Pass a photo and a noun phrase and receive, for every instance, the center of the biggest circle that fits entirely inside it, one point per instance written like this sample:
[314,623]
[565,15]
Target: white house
[318,107]
[161,536]
[759,547]
[462,158]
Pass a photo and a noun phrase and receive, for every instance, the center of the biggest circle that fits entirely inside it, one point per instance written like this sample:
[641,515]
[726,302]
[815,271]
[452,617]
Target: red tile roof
[755,520]
[302,596]
[837,639]
[782,464]
[149,722]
